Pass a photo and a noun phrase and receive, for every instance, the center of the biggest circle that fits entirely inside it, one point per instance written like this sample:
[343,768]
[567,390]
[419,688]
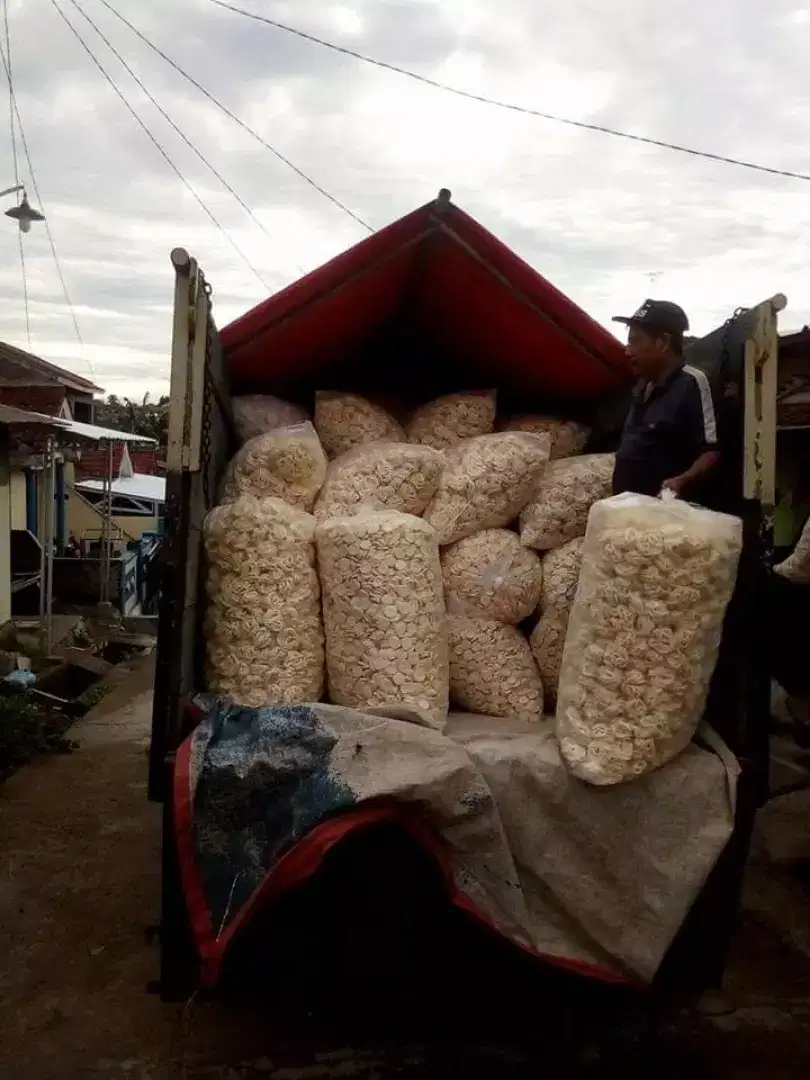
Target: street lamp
[23,213]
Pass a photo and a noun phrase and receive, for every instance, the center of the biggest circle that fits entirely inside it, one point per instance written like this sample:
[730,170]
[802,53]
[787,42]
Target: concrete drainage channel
[42,695]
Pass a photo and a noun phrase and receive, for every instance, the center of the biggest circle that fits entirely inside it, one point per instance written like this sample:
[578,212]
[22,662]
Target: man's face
[648,352]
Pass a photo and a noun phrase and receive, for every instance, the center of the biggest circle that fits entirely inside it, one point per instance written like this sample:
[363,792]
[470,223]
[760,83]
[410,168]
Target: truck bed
[431,304]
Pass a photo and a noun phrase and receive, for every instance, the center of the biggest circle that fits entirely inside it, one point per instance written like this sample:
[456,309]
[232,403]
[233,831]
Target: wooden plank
[190,489]
[185,279]
[761,386]
[195,417]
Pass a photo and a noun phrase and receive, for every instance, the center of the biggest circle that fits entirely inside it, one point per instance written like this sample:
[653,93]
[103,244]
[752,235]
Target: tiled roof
[39,399]
[93,463]
[24,368]
[796,345]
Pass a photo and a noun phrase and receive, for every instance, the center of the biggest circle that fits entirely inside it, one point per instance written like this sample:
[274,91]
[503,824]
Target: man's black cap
[657,315]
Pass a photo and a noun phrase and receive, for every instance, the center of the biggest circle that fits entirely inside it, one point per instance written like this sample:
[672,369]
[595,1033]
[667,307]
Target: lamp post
[23,213]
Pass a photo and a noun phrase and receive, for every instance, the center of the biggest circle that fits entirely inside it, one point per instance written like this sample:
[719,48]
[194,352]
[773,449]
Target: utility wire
[237,120]
[192,146]
[11,98]
[108,78]
[25,287]
[581,124]
[41,205]
[15,157]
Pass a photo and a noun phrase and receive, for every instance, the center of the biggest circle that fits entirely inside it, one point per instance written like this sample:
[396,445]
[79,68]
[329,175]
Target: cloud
[608,221]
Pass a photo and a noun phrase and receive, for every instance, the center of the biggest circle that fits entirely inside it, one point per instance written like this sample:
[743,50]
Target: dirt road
[79,878]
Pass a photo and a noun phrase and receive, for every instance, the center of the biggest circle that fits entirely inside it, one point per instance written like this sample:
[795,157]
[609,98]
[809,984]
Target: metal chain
[208,396]
[205,444]
[725,345]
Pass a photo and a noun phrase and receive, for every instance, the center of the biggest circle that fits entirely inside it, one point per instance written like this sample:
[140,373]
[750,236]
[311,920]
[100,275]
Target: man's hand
[675,484]
[705,463]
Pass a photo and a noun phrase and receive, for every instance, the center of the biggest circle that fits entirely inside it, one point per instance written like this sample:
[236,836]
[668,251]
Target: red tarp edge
[304,859]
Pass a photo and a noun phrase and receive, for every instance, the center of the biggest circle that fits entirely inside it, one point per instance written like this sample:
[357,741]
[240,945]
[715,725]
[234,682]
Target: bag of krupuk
[643,634]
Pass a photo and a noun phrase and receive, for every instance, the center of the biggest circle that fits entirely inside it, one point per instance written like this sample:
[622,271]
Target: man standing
[670,437]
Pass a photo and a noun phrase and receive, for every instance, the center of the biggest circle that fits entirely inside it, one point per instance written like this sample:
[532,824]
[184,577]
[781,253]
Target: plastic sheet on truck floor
[595,880]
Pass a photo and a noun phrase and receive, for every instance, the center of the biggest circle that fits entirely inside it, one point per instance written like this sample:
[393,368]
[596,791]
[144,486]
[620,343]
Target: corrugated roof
[10,414]
[19,366]
[150,488]
[99,434]
[68,428]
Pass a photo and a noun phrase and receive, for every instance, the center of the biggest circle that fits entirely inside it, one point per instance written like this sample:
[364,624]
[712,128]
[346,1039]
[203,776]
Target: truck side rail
[200,435]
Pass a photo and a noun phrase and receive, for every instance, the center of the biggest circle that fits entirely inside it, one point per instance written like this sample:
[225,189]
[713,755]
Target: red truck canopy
[457,284]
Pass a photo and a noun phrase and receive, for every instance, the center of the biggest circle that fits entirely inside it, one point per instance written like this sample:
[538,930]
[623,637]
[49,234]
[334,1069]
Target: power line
[511,106]
[41,205]
[11,98]
[108,78]
[9,73]
[25,287]
[237,120]
[192,146]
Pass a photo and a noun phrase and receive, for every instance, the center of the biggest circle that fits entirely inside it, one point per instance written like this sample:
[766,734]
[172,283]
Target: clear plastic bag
[643,634]
[561,569]
[547,642]
[486,483]
[568,437]
[381,476]
[559,510]
[796,567]
[344,421]
[287,464]
[452,418]
[263,630]
[256,414]
[383,610]
[492,670]
[493,574]
[561,576]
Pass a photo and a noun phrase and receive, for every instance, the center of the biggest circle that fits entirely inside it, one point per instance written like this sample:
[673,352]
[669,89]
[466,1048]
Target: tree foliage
[147,417]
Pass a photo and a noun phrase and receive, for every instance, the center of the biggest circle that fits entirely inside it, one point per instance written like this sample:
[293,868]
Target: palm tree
[148,418]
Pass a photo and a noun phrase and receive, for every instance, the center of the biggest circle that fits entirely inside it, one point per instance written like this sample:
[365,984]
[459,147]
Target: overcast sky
[608,221]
